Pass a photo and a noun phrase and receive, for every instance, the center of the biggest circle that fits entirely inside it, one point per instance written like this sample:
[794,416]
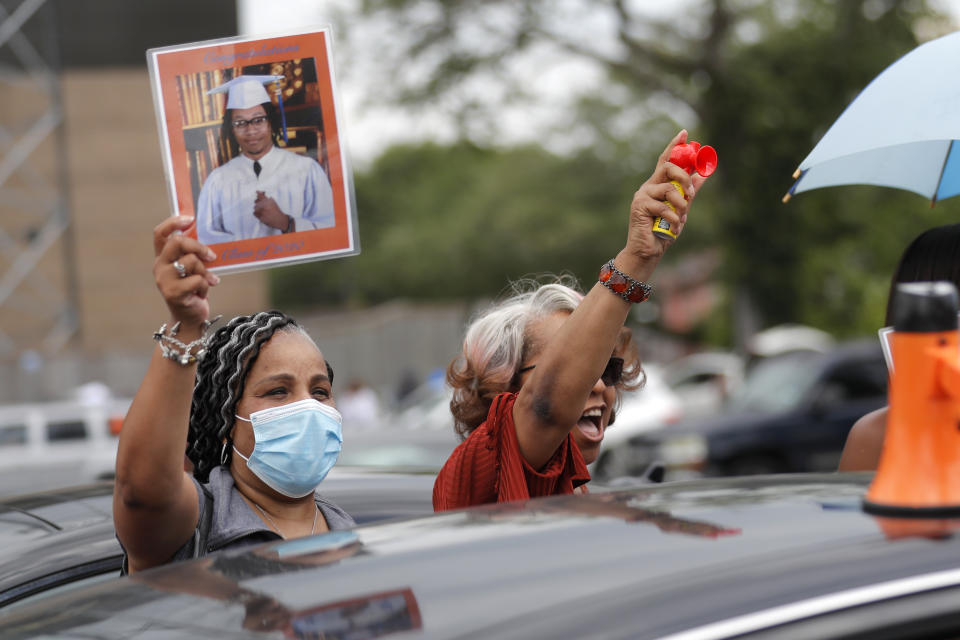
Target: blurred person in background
[259,388]
[407,384]
[539,376]
[359,405]
[933,255]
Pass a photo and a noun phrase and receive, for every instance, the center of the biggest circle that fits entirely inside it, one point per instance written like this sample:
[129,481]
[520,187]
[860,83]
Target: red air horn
[691,157]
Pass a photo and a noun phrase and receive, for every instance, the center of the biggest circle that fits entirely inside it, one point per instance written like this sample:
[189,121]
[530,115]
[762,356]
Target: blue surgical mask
[295,447]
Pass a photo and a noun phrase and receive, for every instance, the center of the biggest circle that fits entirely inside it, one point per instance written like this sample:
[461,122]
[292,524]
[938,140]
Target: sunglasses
[612,373]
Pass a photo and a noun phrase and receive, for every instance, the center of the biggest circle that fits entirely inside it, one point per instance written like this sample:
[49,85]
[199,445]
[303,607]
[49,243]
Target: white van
[58,444]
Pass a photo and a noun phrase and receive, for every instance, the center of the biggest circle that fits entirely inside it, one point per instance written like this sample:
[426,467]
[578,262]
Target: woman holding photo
[253,403]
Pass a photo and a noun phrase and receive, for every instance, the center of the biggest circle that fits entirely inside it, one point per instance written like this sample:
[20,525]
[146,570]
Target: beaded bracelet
[169,343]
[623,285]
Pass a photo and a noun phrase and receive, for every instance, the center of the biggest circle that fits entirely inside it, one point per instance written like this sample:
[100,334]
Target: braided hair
[221,375]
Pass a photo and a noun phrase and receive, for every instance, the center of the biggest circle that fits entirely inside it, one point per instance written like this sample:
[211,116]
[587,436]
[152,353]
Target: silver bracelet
[172,348]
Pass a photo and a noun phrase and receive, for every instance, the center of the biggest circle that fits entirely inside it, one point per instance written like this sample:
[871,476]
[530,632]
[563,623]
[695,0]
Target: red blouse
[488,467]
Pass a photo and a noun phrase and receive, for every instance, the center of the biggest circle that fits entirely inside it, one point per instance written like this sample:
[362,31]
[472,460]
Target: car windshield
[777,383]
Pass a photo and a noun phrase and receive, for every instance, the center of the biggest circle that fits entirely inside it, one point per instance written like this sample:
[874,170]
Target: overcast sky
[369,129]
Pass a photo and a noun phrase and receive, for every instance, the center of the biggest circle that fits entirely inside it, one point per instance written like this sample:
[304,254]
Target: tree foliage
[460,221]
[760,81]
[826,256]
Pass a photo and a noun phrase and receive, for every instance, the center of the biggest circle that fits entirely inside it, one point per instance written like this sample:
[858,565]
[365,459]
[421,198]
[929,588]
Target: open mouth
[590,424]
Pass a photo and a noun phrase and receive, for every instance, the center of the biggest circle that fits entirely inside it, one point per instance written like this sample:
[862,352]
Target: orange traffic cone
[919,471]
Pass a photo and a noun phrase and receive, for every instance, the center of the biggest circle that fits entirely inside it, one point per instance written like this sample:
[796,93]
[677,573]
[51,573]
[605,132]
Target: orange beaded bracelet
[623,285]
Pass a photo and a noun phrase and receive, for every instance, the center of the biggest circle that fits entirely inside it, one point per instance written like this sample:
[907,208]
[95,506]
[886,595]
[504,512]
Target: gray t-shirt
[226,521]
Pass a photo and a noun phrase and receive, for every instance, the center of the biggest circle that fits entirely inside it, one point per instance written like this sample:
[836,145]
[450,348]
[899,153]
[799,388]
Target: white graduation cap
[244,92]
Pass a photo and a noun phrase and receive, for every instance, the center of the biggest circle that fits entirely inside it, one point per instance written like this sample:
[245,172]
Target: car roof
[58,509]
[59,536]
[857,349]
[643,562]
[56,536]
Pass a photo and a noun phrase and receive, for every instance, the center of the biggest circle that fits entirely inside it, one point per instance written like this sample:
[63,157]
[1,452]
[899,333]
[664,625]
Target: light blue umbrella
[902,131]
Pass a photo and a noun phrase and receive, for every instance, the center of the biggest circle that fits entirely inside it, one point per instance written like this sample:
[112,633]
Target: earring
[223,454]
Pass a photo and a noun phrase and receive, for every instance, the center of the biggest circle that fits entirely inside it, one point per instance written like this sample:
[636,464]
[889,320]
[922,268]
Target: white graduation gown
[297,183]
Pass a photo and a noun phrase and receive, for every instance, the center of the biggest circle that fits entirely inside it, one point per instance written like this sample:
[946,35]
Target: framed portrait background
[200,91]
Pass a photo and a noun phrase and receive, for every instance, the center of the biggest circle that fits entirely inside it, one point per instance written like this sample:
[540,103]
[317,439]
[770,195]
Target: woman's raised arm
[154,500]
[552,400]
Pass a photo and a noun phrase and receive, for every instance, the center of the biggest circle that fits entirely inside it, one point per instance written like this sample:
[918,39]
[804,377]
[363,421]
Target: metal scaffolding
[38,301]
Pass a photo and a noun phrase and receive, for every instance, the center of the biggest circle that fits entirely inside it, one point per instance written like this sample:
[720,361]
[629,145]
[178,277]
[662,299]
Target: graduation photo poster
[252,148]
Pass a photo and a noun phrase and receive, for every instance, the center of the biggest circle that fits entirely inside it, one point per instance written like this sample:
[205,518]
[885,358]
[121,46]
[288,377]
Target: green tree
[760,81]
[825,257]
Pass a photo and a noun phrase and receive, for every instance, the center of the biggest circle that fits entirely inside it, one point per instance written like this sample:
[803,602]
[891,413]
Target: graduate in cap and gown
[264,190]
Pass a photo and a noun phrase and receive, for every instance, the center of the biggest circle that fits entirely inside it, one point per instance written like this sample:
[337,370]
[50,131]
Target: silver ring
[181,270]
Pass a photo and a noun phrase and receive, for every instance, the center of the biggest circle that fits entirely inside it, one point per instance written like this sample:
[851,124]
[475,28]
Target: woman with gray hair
[259,388]
[540,372]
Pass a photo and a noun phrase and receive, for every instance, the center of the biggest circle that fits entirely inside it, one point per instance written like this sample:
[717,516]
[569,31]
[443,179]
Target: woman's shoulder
[336,517]
[871,427]
[489,434]
[864,442]
[219,483]
[500,413]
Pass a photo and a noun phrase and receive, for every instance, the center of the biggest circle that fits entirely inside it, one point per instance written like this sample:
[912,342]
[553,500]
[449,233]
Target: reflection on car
[661,561]
[58,540]
[792,413]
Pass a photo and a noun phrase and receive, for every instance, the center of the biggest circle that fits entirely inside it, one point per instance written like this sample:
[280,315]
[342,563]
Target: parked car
[765,557]
[57,540]
[427,408]
[791,414]
[58,444]
[704,381]
[653,407]
[785,338]
[422,450]
[53,540]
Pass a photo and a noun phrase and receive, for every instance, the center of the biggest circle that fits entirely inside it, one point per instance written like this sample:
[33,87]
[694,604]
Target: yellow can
[661,228]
